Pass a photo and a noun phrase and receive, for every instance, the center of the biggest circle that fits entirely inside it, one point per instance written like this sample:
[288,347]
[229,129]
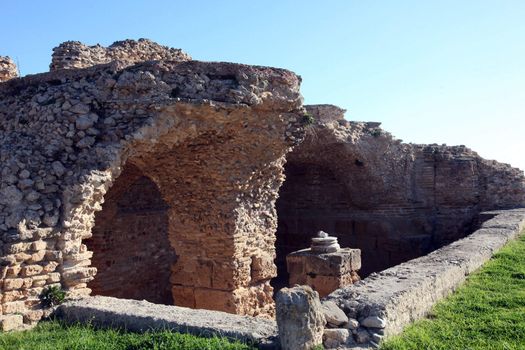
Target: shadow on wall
[313,198]
[130,245]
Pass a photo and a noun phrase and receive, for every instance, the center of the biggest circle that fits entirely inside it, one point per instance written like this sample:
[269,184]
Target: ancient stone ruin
[136,172]
[8,69]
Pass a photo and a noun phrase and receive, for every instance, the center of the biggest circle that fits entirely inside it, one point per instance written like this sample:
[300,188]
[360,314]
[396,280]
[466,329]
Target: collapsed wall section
[211,138]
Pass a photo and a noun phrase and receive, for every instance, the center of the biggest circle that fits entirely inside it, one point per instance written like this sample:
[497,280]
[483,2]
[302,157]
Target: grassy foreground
[53,335]
[488,312]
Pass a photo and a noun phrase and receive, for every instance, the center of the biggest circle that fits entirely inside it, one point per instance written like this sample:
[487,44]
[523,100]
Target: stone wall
[383,304]
[74,54]
[212,137]
[392,200]
[8,69]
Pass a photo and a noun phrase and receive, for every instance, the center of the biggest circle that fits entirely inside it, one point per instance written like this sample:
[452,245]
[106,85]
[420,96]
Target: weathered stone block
[13,283]
[13,271]
[262,268]
[324,272]
[49,266]
[33,316]
[31,270]
[38,245]
[15,307]
[333,338]
[11,322]
[333,315]
[12,295]
[299,318]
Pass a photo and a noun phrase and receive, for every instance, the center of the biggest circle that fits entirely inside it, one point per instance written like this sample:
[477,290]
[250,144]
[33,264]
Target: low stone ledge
[140,316]
[393,298]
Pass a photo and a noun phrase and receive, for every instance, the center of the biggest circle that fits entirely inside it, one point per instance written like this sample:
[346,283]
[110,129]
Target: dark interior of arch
[130,243]
[312,198]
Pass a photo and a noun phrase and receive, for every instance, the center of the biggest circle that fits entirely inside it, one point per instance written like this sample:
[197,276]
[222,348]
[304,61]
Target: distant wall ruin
[8,69]
[173,167]
[74,54]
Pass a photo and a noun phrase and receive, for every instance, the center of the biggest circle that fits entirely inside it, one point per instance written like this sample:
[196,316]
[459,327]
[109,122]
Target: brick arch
[130,244]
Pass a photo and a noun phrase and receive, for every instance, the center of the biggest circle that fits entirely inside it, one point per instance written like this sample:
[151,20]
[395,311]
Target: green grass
[53,335]
[487,313]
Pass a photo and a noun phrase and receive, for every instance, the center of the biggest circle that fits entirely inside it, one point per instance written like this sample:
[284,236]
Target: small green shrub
[52,296]
[308,119]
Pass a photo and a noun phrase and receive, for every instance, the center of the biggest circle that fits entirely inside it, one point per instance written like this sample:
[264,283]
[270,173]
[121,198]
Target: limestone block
[262,268]
[38,245]
[223,277]
[334,316]
[12,295]
[13,283]
[49,266]
[36,257]
[33,316]
[299,318]
[333,338]
[31,270]
[193,273]
[13,271]
[22,257]
[11,322]
[373,322]
[28,282]
[78,293]
[14,307]
[324,272]
[54,277]
[325,285]
[77,274]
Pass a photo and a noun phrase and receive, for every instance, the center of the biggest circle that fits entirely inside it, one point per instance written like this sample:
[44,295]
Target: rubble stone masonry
[133,171]
[209,138]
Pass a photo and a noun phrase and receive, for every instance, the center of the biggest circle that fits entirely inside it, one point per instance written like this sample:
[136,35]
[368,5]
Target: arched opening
[130,245]
[354,209]
[310,199]
[314,198]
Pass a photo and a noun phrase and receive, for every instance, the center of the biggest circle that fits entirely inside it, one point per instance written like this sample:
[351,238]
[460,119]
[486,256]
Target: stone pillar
[299,318]
[325,266]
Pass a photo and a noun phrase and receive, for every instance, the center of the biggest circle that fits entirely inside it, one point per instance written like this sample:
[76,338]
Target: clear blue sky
[433,71]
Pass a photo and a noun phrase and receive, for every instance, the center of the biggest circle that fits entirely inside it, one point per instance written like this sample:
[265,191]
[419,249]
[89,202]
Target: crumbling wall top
[74,54]
[8,69]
